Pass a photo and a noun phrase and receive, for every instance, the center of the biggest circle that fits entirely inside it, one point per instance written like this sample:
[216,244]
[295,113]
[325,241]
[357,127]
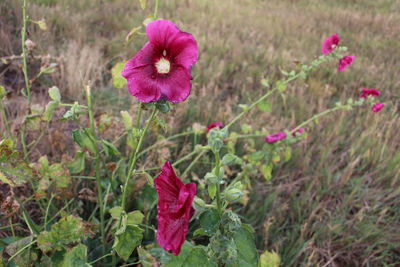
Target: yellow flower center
[163,65]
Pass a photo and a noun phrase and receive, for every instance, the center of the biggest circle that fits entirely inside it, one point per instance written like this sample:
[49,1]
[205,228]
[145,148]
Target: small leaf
[109,148]
[212,190]
[5,180]
[288,154]
[54,93]
[264,106]
[134,218]
[82,138]
[209,221]
[3,92]
[266,170]
[134,31]
[281,86]
[143,4]
[230,159]
[127,119]
[51,106]
[126,242]
[42,24]
[119,82]
[78,165]
[116,212]
[270,259]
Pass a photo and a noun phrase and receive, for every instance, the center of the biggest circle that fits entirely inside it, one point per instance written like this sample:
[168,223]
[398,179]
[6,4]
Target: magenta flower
[215,124]
[298,132]
[377,107]
[161,70]
[174,209]
[369,92]
[330,44]
[345,62]
[272,138]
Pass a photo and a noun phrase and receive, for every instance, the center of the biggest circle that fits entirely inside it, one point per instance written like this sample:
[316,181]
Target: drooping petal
[184,50]
[345,62]
[171,234]
[377,107]
[175,87]
[272,138]
[168,186]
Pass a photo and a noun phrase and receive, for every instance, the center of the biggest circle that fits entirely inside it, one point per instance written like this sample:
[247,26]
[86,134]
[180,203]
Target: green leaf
[119,82]
[54,93]
[78,165]
[67,230]
[134,218]
[146,259]
[83,139]
[281,85]
[288,154]
[126,242]
[5,180]
[116,212]
[270,259]
[3,92]
[264,106]
[42,24]
[109,148]
[24,258]
[142,4]
[127,119]
[209,221]
[247,255]
[266,170]
[76,257]
[60,175]
[50,108]
[212,190]
[134,31]
[191,256]
[230,159]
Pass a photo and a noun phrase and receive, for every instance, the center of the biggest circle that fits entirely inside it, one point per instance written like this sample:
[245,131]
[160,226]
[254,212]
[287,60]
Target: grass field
[337,201]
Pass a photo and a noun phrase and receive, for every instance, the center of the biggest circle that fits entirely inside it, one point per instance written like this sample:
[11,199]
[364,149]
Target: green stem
[218,194]
[135,157]
[193,163]
[22,249]
[97,166]
[156,9]
[11,226]
[24,53]
[262,98]
[102,257]
[139,116]
[167,139]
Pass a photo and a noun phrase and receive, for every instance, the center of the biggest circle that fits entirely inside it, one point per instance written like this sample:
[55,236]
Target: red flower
[345,62]
[272,138]
[298,132]
[330,44]
[215,124]
[174,209]
[161,70]
[369,92]
[377,107]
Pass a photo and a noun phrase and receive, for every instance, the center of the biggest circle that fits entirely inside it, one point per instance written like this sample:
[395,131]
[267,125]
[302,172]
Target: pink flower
[161,70]
[377,107]
[215,124]
[272,138]
[298,132]
[174,209]
[344,62]
[330,44]
[369,92]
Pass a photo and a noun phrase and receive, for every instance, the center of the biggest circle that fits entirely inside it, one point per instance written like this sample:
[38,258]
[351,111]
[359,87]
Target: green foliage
[68,230]
[126,241]
[25,256]
[119,82]
[191,256]
[84,139]
[270,259]
[77,257]
[209,221]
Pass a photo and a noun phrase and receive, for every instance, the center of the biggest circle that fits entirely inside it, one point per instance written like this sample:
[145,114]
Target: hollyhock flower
[330,44]
[369,92]
[174,209]
[298,132]
[215,124]
[345,62]
[377,107]
[272,138]
[161,70]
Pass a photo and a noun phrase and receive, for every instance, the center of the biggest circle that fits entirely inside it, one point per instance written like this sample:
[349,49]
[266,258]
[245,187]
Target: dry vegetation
[337,202]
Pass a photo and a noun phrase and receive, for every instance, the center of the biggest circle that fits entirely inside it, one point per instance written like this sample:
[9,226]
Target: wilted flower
[298,132]
[330,44]
[272,138]
[174,209]
[161,70]
[345,62]
[218,124]
[369,92]
[377,107]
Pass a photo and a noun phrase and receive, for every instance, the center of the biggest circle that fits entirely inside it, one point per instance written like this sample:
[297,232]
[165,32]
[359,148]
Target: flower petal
[184,50]
[142,59]
[143,87]
[168,186]
[161,32]
[176,86]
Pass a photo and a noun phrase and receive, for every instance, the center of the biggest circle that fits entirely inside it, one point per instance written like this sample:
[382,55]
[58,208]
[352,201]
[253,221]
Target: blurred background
[337,201]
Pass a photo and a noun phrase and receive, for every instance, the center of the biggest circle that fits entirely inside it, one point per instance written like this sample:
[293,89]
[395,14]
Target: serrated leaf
[126,242]
[270,259]
[67,230]
[191,256]
[76,257]
[54,93]
[119,82]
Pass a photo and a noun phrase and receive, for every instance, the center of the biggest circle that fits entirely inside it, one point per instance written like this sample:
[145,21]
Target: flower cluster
[329,45]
